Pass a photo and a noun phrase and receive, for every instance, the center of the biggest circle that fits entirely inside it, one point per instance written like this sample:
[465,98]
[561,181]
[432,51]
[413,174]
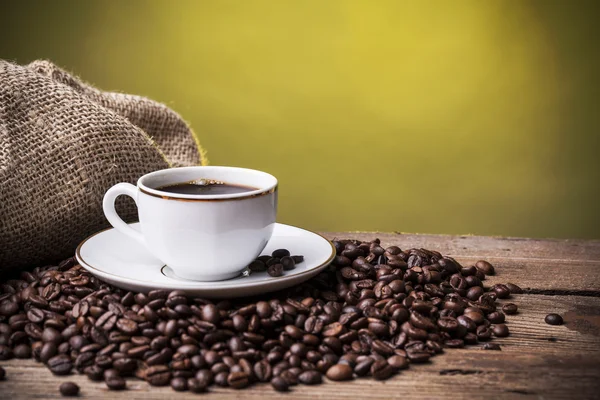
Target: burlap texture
[62,145]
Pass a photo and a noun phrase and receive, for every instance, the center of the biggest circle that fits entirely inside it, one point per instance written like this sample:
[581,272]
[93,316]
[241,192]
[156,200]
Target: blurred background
[461,117]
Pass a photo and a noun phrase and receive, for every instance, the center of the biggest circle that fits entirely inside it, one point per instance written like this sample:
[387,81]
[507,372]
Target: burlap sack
[62,145]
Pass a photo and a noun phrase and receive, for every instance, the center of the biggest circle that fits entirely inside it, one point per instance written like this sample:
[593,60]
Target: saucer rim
[190,284]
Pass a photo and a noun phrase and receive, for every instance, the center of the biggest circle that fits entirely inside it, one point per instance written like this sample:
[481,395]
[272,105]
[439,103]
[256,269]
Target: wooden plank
[529,366]
[538,266]
[486,246]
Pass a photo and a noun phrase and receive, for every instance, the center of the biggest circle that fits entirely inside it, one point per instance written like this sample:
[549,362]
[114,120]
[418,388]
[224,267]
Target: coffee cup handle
[108,204]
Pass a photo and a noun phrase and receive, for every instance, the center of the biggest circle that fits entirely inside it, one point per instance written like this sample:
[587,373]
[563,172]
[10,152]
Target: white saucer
[125,263]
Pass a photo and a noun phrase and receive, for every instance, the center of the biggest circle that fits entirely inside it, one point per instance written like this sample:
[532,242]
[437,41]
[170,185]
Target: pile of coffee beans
[372,313]
[280,260]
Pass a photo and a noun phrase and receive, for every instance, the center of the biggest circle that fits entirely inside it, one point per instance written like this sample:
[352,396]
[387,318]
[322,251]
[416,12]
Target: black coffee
[207,188]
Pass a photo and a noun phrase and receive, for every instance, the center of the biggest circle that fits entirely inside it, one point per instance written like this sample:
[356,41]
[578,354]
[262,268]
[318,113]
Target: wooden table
[537,361]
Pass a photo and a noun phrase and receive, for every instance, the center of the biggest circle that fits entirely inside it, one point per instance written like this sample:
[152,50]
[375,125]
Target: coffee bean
[398,362]
[340,372]
[22,351]
[501,290]
[275,270]
[381,370]
[35,315]
[496,317]
[280,384]
[238,380]
[491,346]
[158,375]
[127,326]
[69,389]
[8,308]
[196,386]
[257,266]
[485,267]
[553,319]
[94,373]
[51,335]
[116,383]
[500,330]
[288,263]
[210,314]
[60,364]
[263,371]
[310,378]
[280,253]
[298,259]
[179,384]
[510,308]
[514,289]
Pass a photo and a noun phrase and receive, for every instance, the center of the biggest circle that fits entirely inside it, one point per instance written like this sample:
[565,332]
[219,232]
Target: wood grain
[537,361]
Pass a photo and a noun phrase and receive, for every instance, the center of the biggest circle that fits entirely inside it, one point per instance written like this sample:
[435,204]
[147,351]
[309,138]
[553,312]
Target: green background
[447,116]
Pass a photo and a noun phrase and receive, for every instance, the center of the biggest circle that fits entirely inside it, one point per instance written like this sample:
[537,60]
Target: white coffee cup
[200,237]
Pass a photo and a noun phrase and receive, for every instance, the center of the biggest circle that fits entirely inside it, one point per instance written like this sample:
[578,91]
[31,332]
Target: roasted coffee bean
[398,362]
[500,330]
[510,308]
[94,373]
[158,375]
[22,351]
[310,378]
[127,326]
[116,383]
[210,313]
[340,372]
[238,380]
[35,315]
[553,319]
[280,384]
[381,370]
[496,317]
[275,270]
[60,364]
[485,267]
[196,386]
[179,384]
[501,290]
[8,308]
[257,266]
[280,253]
[491,346]
[263,371]
[69,389]
[221,379]
[288,263]
[514,289]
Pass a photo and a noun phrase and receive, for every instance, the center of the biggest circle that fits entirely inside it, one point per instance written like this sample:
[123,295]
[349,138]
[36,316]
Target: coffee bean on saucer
[257,266]
[69,389]
[553,319]
[280,253]
[275,270]
[298,259]
[288,263]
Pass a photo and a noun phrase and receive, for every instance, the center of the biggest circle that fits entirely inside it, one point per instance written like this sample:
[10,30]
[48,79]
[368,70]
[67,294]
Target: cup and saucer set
[199,228]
